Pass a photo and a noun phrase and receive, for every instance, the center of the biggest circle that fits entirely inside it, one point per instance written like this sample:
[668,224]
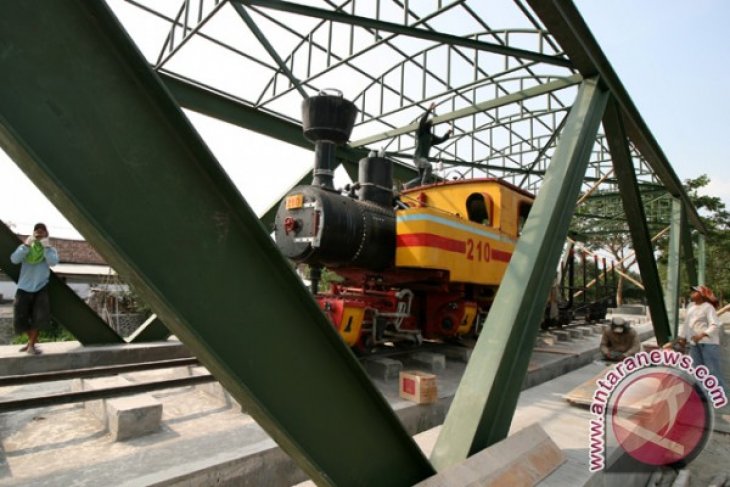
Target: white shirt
[701,318]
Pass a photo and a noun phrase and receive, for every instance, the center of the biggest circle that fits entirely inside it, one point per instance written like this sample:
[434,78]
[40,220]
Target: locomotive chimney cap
[328,117]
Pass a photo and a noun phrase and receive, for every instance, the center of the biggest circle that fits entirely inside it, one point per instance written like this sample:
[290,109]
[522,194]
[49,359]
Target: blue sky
[670,54]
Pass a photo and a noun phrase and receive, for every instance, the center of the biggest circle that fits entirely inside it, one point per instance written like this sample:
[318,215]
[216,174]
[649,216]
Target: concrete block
[545,340]
[462,354]
[562,335]
[98,407]
[575,333]
[586,330]
[134,416]
[124,417]
[383,368]
[435,362]
[524,459]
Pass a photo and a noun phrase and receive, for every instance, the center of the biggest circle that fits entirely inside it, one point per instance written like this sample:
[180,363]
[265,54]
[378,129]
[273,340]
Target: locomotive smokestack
[376,180]
[327,120]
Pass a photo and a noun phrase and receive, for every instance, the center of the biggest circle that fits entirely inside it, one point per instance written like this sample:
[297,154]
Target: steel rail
[106,393]
[89,372]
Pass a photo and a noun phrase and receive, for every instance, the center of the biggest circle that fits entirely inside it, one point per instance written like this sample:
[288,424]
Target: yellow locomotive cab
[468,228]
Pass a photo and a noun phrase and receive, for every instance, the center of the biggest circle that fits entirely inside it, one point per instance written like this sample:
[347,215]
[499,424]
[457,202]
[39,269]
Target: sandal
[34,351]
[24,348]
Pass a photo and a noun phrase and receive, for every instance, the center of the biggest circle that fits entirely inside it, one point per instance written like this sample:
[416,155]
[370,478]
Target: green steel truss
[523,83]
[180,232]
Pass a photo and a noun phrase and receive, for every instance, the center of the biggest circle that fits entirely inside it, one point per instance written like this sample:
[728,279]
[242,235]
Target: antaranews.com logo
[655,407]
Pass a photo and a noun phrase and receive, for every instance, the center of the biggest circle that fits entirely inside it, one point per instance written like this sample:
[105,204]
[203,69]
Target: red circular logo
[660,418]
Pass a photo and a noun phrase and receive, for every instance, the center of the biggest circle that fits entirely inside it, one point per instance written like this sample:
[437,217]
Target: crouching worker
[619,340]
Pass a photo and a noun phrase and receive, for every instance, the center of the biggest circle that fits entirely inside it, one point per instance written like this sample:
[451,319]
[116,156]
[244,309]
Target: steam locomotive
[422,263]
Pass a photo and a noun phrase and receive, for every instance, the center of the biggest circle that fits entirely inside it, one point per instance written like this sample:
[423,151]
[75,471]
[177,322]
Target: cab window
[477,209]
[523,213]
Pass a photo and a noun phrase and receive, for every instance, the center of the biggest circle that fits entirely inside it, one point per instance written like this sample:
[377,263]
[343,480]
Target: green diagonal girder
[701,260]
[687,250]
[485,402]
[640,236]
[96,131]
[67,309]
[671,292]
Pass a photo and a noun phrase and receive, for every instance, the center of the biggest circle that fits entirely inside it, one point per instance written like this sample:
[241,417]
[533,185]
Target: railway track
[452,351]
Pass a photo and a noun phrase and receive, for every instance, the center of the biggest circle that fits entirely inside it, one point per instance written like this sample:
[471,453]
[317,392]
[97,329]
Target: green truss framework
[499,71]
[533,101]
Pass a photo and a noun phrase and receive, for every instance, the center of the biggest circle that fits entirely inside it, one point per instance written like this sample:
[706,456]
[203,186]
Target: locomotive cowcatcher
[423,263]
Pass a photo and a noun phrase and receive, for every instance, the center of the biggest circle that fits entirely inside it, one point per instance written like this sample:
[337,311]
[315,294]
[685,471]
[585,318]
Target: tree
[716,218]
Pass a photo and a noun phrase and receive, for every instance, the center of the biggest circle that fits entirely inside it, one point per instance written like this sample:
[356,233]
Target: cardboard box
[418,386]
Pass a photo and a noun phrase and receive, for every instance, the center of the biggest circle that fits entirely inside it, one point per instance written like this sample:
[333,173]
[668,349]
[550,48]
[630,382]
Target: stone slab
[521,459]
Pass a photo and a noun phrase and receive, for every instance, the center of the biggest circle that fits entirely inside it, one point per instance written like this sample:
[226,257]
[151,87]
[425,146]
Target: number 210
[482,250]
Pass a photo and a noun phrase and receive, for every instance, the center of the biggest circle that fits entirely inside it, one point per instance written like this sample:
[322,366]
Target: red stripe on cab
[430,240]
[501,255]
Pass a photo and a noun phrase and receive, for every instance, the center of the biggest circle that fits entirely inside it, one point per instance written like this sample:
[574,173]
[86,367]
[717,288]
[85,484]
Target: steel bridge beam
[567,26]
[701,260]
[631,197]
[67,309]
[672,284]
[393,28]
[89,122]
[687,250]
[484,404]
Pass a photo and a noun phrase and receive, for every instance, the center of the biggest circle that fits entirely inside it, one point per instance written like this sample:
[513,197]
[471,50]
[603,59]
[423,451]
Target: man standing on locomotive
[425,139]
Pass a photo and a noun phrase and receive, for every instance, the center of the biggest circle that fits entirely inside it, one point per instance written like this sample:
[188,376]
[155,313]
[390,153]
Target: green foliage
[56,333]
[716,219]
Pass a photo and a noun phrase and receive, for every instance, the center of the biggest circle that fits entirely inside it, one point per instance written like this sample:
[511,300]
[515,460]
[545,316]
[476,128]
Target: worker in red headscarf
[701,330]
